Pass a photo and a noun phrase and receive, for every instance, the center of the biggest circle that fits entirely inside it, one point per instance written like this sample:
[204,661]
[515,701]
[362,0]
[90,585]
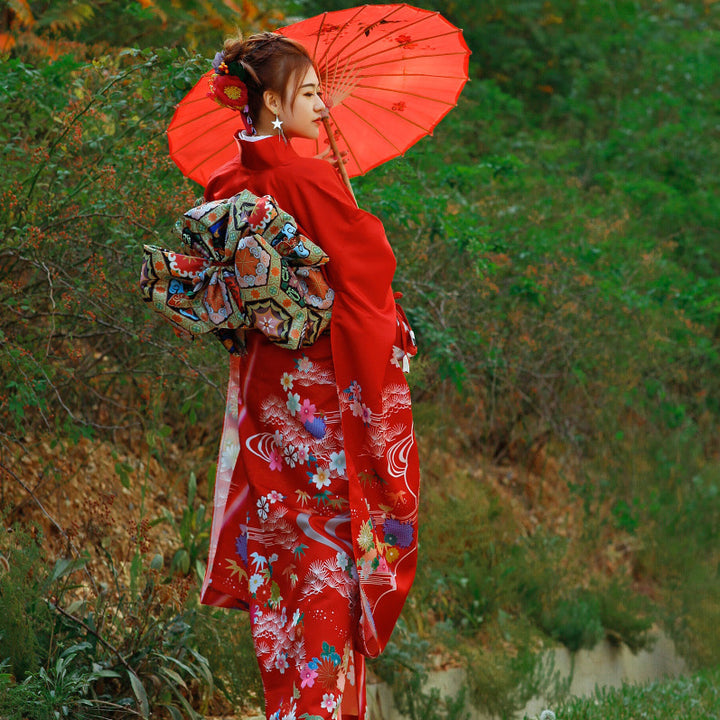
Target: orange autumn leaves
[49,30]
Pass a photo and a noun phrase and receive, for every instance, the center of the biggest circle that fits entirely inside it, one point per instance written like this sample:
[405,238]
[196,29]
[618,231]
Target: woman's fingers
[328,155]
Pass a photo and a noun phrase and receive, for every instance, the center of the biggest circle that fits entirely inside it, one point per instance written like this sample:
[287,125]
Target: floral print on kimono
[290,556]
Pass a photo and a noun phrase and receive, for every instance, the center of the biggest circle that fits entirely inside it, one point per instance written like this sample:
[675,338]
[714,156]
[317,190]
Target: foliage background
[558,250]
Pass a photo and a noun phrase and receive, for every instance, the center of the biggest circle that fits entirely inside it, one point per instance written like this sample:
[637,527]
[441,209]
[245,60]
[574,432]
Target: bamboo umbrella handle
[336,152]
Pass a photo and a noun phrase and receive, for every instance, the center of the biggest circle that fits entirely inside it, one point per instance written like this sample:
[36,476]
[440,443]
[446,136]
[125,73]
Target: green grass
[697,696]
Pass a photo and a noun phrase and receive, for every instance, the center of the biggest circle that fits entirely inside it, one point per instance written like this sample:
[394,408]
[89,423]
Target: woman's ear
[271,100]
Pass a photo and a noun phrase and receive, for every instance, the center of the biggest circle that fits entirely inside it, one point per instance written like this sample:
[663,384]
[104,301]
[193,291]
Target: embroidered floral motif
[344,562]
[398,533]
[308,675]
[304,364]
[291,456]
[338,463]
[263,506]
[276,462]
[293,403]
[255,582]
[321,478]
[366,539]
[357,407]
[281,663]
[303,454]
[328,672]
[307,412]
[297,438]
[328,702]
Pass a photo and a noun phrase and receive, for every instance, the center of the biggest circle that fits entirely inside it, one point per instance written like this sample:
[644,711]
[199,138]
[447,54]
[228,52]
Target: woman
[315,522]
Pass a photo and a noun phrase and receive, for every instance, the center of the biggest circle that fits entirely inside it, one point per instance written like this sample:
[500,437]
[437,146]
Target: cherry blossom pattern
[304,364]
[357,406]
[303,408]
[338,463]
[276,460]
[290,455]
[306,412]
[281,663]
[328,702]
[293,403]
[263,506]
[307,676]
[321,478]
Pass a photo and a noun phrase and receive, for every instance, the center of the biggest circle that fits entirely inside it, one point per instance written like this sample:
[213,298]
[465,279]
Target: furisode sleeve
[380,446]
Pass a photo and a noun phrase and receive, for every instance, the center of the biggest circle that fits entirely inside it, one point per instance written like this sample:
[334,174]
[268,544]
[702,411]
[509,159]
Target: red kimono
[315,519]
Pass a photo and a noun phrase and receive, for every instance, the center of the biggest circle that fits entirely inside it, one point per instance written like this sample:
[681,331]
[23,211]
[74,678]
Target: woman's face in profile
[302,114]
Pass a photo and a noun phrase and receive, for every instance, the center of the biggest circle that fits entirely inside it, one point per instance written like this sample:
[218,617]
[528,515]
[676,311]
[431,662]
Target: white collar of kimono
[242,135]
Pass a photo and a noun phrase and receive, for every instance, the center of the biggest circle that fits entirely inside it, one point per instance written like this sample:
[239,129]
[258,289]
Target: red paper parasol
[389,74]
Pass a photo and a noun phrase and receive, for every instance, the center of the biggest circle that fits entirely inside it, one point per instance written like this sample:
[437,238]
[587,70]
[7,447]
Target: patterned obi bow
[247,268]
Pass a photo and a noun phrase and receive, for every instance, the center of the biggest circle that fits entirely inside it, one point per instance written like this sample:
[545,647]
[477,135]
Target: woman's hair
[271,61]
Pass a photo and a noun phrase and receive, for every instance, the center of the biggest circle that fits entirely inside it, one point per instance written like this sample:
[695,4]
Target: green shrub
[574,621]
[692,698]
[501,683]
[128,647]
[193,531]
[678,530]
[87,181]
[626,616]
[26,623]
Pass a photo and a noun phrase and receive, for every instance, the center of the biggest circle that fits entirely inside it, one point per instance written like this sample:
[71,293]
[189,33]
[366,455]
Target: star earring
[277,125]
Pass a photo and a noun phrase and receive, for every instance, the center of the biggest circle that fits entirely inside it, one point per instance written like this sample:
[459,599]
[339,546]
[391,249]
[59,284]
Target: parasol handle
[336,152]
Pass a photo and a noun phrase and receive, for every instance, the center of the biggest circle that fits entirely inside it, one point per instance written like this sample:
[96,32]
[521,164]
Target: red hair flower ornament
[227,87]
